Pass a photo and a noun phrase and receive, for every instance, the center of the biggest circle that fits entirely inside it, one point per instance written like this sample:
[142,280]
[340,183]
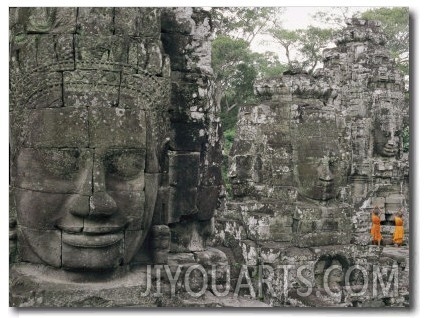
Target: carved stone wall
[310,162]
[195,145]
[115,149]
[115,161]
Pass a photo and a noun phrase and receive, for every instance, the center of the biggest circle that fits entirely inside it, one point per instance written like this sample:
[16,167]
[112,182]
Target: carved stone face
[318,172]
[319,167]
[81,195]
[387,133]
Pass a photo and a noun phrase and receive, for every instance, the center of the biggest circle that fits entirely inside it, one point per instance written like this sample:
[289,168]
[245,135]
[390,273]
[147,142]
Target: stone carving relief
[99,169]
[314,156]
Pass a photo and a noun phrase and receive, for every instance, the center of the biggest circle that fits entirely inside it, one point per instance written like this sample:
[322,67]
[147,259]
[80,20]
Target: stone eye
[61,163]
[125,164]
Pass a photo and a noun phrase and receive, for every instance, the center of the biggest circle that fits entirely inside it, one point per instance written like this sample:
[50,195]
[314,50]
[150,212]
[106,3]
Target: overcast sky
[296,18]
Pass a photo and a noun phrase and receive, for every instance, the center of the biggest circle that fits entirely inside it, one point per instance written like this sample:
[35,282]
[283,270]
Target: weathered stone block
[378,201]
[55,52]
[119,170]
[43,19]
[153,199]
[183,169]
[47,241]
[91,88]
[243,189]
[95,21]
[211,172]
[186,237]
[107,52]
[182,201]
[322,239]
[110,127]
[92,257]
[55,170]
[143,91]
[137,21]
[72,122]
[39,210]
[43,90]
[250,252]
[154,58]
[207,202]
[161,213]
[241,147]
[242,167]
[179,46]
[131,212]
[188,136]
[181,258]
[133,240]
[211,256]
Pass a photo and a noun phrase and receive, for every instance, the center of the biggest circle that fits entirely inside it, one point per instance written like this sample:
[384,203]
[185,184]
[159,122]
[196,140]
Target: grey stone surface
[104,105]
[115,160]
[312,159]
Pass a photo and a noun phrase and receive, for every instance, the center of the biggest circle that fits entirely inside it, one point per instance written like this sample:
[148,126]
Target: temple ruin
[115,160]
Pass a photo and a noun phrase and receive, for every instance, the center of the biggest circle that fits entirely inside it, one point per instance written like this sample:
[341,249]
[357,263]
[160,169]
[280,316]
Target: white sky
[295,18]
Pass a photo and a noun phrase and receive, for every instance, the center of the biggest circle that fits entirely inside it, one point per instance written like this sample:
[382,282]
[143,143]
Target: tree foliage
[335,17]
[234,71]
[312,41]
[235,65]
[286,38]
[242,22]
[305,44]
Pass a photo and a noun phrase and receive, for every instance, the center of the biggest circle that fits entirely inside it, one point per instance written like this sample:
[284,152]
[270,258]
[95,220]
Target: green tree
[234,71]
[235,66]
[312,41]
[335,17]
[243,22]
[287,39]
[268,65]
[305,44]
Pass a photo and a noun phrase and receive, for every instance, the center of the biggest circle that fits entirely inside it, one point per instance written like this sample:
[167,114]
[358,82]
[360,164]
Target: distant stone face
[387,132]
[326,146]
[319,170]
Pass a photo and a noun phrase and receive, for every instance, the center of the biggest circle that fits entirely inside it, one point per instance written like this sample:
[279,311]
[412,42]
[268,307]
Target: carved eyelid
[60,161]
[127,171]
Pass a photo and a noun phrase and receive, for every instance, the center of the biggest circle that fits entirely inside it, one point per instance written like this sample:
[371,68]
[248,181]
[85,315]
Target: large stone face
[109,144]
[80,156]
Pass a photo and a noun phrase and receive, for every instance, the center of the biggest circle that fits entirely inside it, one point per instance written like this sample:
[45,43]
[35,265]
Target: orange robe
[398,234]
[375,228]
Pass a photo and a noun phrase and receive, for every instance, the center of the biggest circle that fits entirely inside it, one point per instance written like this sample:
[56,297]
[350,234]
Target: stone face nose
[391,141]
[324,171]
[102,205]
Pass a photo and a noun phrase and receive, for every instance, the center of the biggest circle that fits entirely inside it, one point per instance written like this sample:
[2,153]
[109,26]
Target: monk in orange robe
[375,228]
[398,233]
